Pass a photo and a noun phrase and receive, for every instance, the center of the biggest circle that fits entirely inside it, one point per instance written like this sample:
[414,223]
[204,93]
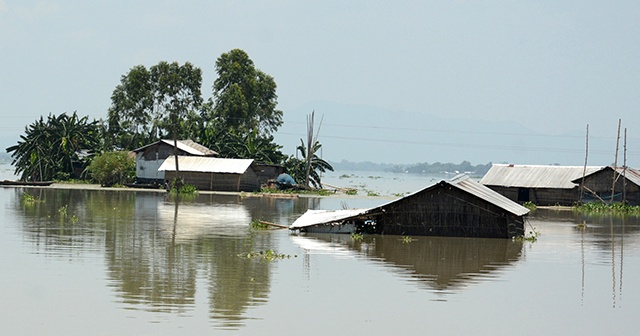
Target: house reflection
[440,263]
[158,253]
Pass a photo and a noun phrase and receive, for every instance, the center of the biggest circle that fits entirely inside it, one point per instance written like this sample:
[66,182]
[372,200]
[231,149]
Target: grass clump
[617,208]
[267,256]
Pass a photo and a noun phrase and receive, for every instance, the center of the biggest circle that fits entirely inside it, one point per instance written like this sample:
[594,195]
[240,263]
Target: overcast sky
[548,68]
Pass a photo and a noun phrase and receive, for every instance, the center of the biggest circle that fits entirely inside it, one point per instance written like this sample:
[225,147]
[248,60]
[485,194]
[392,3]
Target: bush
[113,168]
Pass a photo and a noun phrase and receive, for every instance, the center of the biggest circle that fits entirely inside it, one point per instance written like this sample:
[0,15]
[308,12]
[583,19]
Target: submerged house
[542,185]
[459,207]
[599,186]
[209,173]
[150,157]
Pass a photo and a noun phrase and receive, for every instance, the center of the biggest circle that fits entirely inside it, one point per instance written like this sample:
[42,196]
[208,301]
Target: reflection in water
[607,233]
[442,263]
[156,249]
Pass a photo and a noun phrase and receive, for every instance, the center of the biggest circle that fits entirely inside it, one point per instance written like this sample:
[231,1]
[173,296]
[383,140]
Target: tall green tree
[154,103]
[177,92]
[244,97]
[132,109]
[48,150]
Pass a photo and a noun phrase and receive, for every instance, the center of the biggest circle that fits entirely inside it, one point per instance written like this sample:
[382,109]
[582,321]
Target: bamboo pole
[624,169]
[615,164]
[584,171]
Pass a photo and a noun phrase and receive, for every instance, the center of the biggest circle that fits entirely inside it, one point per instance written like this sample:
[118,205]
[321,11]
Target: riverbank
[90,186]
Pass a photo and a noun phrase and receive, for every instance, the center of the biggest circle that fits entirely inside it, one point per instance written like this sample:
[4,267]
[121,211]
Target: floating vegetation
[372,193]
[611,209]
[29,199]
[351,192]
[406,239]
[531,236]
[63,211]
[259,225]
[357,236]
[268,255]
[530,205]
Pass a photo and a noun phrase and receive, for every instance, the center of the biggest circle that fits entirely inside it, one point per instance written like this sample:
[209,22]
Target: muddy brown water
[96,262]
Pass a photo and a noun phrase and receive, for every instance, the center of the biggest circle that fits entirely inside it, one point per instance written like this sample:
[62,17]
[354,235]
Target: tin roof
[187,146]
[316,217]
[533,176]
[206,164]
[468,185]
[632,175]
[462,182]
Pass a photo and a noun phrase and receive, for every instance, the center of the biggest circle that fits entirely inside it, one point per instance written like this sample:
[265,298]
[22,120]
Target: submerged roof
[468,185]
[316,217]
[533,176]
[206,164]
[187,146]
[462,182]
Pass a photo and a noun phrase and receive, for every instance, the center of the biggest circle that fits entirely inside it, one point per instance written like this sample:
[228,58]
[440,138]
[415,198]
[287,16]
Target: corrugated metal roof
[632,175]
[462,182]
[532,176]
[206,164]
[188,146]
[316,217]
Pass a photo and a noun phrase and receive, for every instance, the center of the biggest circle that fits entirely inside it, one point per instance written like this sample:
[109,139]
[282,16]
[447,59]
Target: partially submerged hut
[459,207]
[208,173]
[599,185]
[542,185]
[150,157]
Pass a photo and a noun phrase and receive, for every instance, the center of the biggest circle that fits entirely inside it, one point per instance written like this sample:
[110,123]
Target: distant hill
[417,168]
[370,134]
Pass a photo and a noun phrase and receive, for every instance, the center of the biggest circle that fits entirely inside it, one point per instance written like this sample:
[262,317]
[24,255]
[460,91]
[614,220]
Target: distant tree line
[418,168]
[165,102]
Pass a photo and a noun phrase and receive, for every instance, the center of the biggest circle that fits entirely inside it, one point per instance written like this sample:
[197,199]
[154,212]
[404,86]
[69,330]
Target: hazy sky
[543,68]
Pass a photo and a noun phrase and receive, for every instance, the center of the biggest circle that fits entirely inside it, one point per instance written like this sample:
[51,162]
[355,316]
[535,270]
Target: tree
[149,104]
[50,149]
[132,110]
[297,168]
[113,168]
[177,91]
[244,97]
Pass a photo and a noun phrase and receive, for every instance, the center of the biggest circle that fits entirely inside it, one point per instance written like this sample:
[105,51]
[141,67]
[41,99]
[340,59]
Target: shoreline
[91,186]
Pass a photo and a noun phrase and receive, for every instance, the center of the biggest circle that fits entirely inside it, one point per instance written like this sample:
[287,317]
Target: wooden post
[624,169]
[615,164]
[584,171]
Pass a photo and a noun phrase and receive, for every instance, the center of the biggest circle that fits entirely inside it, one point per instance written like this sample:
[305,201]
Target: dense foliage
[150,104]
[297,168]
[113,168]
[165,101]
[51,148]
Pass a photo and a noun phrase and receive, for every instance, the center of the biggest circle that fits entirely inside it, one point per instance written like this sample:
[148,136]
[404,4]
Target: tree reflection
[156,248]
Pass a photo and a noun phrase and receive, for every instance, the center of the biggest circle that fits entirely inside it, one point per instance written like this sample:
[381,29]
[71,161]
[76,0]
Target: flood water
[95,262]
